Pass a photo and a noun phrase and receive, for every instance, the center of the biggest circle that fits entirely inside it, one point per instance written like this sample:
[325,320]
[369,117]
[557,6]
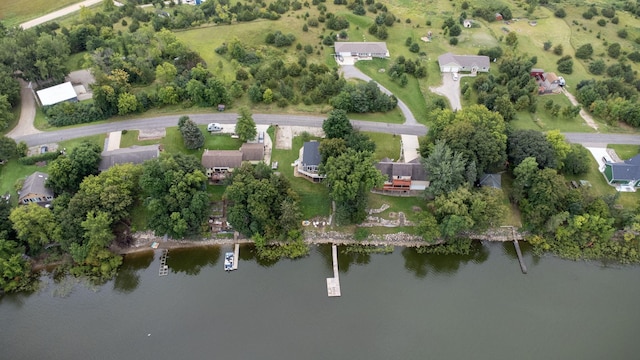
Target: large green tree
[262,203]
[8,148]
[14,269]
[175,190]
[445,168]
[349,177]
[67,172]
[337,125]
[246,127]
[191,133]
[531,143]
[34,225]
[475,132]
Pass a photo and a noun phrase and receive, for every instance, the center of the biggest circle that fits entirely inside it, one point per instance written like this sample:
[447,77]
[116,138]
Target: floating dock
[164,269]
[333,284]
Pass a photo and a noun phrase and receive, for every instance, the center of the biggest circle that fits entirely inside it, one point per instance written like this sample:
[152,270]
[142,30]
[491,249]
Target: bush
[414,48]
[587,15]
[48,156]
[560,13]
[547,45]
[609,12]
[66,113]
[558,49]
[615,20]
[597,67]
[602,22]
[453,41]
[565,65]
[614,50]
[634,56]
[584,52]
[455,30]
[623,34]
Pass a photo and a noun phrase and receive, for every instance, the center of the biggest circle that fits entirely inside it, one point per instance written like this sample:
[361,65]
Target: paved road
[224,118]
[56,14]
[351,72]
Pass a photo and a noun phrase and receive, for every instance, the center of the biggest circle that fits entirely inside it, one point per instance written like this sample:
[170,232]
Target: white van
[214,127]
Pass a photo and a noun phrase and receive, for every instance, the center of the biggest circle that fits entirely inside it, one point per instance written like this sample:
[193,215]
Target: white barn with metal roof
[57,94]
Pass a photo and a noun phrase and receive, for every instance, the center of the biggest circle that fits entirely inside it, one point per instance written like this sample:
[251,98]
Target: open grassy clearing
[13,171]
[625,152]
[314,198]
[94,139]
[410,206]
[387,145]
[14,13]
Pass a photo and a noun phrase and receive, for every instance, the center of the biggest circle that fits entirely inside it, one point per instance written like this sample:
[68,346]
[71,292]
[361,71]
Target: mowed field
[13,12]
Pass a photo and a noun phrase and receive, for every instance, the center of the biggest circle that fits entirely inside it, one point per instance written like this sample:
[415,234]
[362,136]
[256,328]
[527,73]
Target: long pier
[523,267]
[164,269]
[236,254]
[333,284]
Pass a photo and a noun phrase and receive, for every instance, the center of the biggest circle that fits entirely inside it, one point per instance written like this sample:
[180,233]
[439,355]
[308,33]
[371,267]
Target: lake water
[394,306]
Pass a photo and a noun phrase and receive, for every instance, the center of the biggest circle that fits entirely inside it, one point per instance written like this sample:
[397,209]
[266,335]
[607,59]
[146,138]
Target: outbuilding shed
[57,94]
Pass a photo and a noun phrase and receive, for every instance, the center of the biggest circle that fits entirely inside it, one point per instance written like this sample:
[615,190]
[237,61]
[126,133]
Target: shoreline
[143,240]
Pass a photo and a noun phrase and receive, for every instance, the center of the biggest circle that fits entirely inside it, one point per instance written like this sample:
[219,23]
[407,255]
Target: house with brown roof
[130,155]
[463,63]
[403,178]
[34,190]
[218,163]
[252,152]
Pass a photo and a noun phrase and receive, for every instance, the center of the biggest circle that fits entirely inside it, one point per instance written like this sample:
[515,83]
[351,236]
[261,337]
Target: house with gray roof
[308,162]
[403,177]
[131,155]
[34,190]
[362,49]
[463,63]
[491,180]
[625,174]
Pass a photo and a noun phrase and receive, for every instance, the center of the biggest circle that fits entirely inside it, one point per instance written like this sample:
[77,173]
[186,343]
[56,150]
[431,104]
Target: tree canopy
[246,127]
[191,133]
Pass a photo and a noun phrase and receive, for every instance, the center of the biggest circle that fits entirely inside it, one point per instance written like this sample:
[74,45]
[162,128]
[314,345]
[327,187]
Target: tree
[522,144]
[5,112]
[349,177]
[597,67]
[565,65]
[455,30]
[174,186]
[191,133]
[245,126]
[560,146]
[558,49]
[547,45]
[67,172]
[584,52]
[14,269]
[475,132]
[512,39]
[331,148]
[585,230]
[8,148]
[262,203]
[427,227]
[34,225]
[560,13]
[577,161]
[337,125]
[127,103]
[614,50]
[446,170]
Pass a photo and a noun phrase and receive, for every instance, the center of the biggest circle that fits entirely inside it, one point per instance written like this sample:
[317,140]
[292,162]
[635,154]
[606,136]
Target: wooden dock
[523,267]
[236,255]
[333,284]
[164,269]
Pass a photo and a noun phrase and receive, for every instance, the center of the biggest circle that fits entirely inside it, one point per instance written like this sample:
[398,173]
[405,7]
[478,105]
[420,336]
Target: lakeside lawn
[314,198]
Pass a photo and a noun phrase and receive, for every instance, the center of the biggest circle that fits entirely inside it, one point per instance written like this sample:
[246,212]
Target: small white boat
[228,261]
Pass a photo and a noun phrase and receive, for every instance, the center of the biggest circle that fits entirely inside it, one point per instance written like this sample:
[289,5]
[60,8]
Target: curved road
[351,72]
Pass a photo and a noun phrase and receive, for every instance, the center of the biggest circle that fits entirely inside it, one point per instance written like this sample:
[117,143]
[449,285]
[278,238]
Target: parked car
[561,81]
[214,127]
[455,76]
[43,149]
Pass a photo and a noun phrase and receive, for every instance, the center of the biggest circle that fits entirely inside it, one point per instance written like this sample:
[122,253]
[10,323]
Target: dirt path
[587,118]
[27,113]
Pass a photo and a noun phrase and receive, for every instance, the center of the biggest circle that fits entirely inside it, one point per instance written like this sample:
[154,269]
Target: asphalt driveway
[450,89]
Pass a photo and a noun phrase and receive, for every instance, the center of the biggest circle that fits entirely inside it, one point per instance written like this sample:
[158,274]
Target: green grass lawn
[387,145]
[174,143]
[625,152]
[130,138]
[13,13]
[94,139]
[11,172]
[314,198]
[397,204]
[543,120]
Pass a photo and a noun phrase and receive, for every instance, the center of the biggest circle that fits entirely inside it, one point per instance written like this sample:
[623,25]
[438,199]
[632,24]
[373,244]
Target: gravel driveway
[449,89]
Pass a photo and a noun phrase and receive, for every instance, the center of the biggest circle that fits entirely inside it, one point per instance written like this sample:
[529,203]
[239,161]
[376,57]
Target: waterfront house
[308,162]
[403,178]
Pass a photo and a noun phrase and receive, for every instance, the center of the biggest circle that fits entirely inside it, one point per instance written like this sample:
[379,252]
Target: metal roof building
[57,94]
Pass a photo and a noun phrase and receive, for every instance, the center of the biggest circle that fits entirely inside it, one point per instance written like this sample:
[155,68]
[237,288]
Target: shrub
[584,52]
[560,13]
[614,50]
[609,12]
[634,56]
[602,22]
[558,49]
[623,33]
[547,45]
[453,41]
[414,48]
[597,67]
[455,30]
[615,20]
[587,15]
[48,156]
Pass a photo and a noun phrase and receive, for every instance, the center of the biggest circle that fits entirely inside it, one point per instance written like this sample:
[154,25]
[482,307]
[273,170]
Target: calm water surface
[395,306]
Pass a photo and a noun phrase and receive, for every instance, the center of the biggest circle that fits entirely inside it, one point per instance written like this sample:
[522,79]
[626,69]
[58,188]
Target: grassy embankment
[13,13]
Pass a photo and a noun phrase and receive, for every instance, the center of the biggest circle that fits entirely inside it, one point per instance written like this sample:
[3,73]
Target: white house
[57,94]
[468,63]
